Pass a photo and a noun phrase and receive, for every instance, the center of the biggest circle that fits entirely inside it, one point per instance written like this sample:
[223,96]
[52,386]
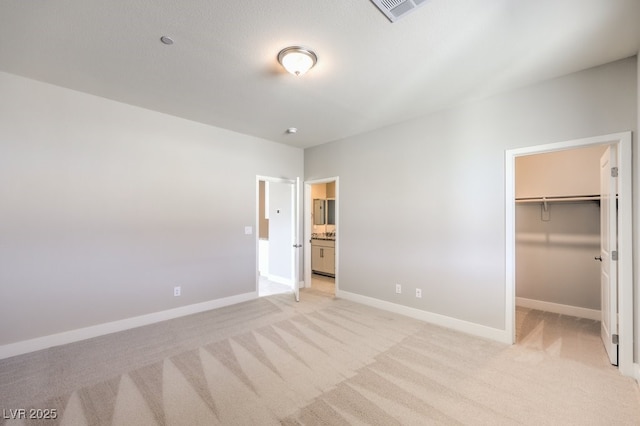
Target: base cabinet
[323,257]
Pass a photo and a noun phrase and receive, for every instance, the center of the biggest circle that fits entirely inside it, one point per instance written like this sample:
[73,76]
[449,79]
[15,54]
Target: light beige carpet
[323,361]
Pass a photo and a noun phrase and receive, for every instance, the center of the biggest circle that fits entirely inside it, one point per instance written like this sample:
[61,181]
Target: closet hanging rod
[558,198]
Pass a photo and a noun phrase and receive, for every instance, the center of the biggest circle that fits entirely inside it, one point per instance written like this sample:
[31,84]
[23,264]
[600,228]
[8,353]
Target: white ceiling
[222,69]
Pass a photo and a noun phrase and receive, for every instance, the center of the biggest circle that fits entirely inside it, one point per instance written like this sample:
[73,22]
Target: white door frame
[625,237]
[294,213]
[308,208]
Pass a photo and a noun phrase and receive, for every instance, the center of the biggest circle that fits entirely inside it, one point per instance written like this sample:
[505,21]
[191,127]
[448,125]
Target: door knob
[598,258]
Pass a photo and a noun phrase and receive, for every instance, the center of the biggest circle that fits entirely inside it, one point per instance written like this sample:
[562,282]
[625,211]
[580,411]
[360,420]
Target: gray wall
[105,207]
[422,203]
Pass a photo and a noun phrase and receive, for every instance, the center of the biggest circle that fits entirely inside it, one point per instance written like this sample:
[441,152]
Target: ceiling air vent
[396,9]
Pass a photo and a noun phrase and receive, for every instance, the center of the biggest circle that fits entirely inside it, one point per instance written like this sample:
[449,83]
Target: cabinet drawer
[323,243]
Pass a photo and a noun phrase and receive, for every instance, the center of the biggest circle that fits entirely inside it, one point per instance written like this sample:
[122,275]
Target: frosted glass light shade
[297,60]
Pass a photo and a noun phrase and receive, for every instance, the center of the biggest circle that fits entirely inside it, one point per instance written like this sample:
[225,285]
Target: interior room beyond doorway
[274,223]
[323,236]
[557,238]
[558,231]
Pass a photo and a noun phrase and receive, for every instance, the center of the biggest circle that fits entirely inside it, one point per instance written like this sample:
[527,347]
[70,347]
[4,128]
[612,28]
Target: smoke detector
[396,9]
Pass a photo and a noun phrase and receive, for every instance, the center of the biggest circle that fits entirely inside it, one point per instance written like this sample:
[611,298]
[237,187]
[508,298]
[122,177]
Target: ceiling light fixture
[297,60]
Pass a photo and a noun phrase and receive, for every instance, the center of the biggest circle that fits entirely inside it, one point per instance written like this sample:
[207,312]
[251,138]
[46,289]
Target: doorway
[277,236]
[321,235]
[622,142]
[558,231]
[558,241]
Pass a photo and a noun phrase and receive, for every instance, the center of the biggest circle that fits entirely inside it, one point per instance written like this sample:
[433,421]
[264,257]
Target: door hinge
[614,255]
[614,339]
[614,172]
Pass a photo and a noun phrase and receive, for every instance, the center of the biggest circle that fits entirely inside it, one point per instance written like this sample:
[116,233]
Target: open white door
[296,243]
[608,254]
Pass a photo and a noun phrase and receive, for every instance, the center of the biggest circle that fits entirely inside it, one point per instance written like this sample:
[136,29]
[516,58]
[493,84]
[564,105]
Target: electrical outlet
[398,289]
[418,293]
[177,291]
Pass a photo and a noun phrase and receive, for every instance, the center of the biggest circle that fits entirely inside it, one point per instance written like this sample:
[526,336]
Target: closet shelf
[568,198]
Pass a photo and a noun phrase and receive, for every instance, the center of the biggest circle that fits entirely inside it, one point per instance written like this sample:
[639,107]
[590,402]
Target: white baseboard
[557,308]
[455,324]
[39,343]
[637,370]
